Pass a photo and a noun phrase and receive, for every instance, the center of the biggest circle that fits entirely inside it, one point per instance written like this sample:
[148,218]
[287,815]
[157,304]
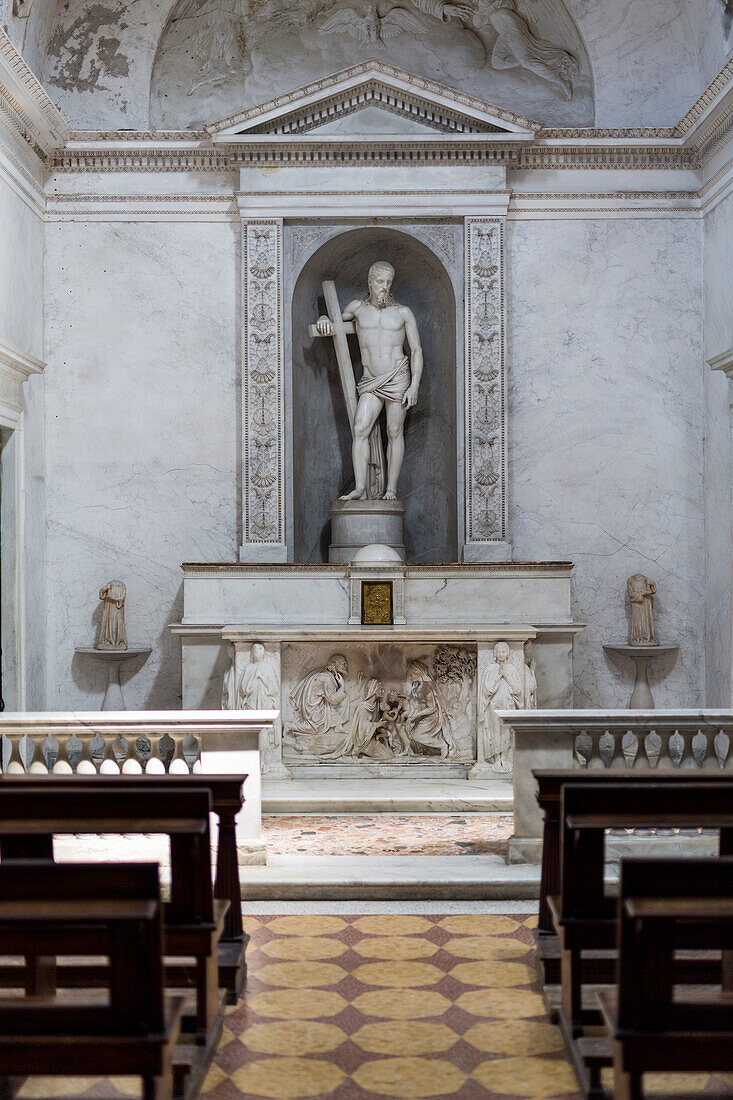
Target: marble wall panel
[605,374]
[21,272]
[645,56]
[718,264]
[141,423]
[21,324]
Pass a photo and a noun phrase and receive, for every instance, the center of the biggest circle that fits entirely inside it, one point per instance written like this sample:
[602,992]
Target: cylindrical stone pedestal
[357,523]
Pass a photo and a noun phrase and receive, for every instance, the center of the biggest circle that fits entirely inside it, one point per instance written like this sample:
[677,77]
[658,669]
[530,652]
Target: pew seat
[70,909]
[652,1023]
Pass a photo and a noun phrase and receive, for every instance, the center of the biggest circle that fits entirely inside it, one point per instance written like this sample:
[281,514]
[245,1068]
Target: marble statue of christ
[391,379]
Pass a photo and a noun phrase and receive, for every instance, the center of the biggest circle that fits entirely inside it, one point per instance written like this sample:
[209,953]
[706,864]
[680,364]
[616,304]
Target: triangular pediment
[374,100]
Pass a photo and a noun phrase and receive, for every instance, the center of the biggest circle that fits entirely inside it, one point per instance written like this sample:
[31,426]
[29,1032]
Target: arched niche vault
[318,425]
[216,57]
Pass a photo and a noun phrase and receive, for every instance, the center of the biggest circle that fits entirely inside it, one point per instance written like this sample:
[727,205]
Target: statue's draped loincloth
[390,386]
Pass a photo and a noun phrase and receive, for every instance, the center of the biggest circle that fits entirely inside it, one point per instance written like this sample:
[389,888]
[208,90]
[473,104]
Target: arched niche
[320,438]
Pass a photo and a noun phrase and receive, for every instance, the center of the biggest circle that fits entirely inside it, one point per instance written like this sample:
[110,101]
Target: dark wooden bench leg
[160,1087]
[572,990]
[226,886]
[626,1086]
[550,877]
[207,993]
[40,975]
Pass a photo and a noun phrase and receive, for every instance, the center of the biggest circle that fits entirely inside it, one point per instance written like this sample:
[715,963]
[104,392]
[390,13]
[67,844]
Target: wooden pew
[74,909]
[584,917]
[651,1025]
[549,786]
[30,814]
[227,799]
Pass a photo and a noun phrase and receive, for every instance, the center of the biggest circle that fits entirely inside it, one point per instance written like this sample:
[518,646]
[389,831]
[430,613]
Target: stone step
[389,878]
[371,796]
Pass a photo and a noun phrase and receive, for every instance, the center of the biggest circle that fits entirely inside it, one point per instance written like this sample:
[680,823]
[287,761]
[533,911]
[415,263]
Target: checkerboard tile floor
[392,1005]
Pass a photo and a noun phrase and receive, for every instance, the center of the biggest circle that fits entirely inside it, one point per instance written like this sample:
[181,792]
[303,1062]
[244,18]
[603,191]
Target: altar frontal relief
[379,703]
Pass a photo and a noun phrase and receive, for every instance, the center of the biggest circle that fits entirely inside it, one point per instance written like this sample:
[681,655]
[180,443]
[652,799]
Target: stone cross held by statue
[341,329]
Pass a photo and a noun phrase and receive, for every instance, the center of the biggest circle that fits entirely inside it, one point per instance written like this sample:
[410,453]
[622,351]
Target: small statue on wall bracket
[641,626]
[112,634]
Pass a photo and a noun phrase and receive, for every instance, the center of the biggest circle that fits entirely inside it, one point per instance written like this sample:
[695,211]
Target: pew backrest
[33,810]
[664,903]
[66,909]
[587,810]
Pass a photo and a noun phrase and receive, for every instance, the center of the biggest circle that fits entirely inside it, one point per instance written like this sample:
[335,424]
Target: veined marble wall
[141,434]
[606,423]
[605,369]
[21,324]
[718,286]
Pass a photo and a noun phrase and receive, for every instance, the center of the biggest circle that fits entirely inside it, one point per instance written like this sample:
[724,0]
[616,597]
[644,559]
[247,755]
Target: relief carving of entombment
[414,708]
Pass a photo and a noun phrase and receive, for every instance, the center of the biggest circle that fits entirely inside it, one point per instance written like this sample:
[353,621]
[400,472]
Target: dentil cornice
[26,107]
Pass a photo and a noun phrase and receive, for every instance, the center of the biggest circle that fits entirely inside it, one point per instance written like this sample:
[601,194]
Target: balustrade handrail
[636,741]
[537,721]
[62,740]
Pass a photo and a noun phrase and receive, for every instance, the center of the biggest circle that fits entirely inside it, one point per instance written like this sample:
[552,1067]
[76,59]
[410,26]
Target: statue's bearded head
[379,280]
[338,664]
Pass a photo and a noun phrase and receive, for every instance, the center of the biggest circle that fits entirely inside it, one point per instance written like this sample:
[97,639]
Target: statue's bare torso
[381,334]
[391,378]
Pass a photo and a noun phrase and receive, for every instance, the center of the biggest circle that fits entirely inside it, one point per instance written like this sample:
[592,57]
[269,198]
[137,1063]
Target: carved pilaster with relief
[263,489]
[485,403]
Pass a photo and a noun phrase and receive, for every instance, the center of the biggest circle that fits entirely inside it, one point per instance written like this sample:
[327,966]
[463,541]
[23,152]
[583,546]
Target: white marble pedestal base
[113,659]
[358,523]
[641,655]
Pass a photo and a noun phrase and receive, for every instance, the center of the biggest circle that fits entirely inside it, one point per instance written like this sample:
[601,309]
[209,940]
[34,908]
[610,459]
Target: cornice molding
[723,362]
[25,104]
[523,145]
[307,104]
[18,365]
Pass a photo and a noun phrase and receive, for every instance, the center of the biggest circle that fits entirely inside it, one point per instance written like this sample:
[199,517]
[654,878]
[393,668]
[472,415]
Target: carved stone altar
[418,696]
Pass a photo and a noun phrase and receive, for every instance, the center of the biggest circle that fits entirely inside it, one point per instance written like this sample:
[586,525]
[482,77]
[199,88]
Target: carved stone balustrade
[109,742]
[618,740]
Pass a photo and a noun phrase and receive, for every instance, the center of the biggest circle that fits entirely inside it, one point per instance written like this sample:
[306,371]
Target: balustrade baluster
[653,748]
[607,748]
[721,745]
[583,748]
[191,749]
[166,750]
[143,750]
[629,747]
[699,747]
[27,751]
[50,750]
[120,750]
[676,748]
[6,751]
[74,749]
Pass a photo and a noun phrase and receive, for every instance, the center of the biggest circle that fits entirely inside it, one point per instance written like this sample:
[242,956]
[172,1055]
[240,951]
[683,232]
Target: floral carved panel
[485,411]
[262,383]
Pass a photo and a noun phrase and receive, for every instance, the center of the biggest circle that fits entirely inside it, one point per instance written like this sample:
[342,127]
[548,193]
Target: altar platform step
[396,878]
[393,796]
